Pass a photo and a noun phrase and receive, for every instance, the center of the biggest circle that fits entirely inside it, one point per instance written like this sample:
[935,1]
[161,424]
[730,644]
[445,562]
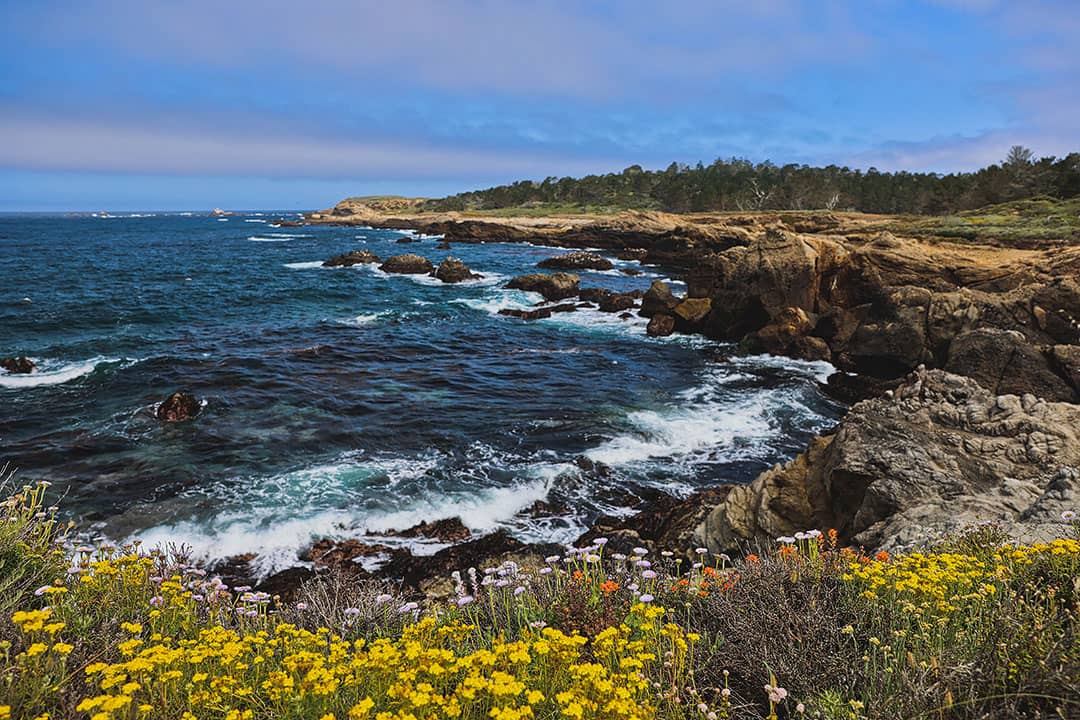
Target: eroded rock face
[17,365]
[938,453]
[576,261]
[407,265]
[1004,363]
[354,257]
[556,286]
[452,270]
[178,407]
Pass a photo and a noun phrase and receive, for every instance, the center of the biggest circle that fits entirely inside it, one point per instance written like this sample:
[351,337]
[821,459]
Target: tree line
[740,185]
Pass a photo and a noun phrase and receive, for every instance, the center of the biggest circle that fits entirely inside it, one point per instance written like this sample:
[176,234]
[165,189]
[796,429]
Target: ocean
[344,401]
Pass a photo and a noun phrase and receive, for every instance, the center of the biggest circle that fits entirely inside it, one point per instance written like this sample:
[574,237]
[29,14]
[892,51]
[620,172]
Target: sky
[155,104]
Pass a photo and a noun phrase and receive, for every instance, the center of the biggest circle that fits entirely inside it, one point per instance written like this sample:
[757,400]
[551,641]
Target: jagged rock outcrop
[556,286]
[452,270]
[17,365]
[658,299]
[407,265]
[178,407]
[938,453]
[353,257]
[660,325]
[576,261]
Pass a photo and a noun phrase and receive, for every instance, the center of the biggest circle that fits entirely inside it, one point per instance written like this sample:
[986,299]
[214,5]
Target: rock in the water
[407,265]
[556,286]
[616,302]
[452,270]
[938,453]
[17,365]
[633,254]
[576,261]
[690,314]
[406,240]
[658,299]
[632,272]
[660,325]
[527,314]
[354,257]
[444,245]
[448,530]
[178,407]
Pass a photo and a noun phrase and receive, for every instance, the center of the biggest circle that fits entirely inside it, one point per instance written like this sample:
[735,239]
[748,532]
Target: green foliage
[1039,218]
[739,185]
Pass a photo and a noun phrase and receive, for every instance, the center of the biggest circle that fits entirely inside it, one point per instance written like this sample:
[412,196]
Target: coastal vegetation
[740,185]
[972,626]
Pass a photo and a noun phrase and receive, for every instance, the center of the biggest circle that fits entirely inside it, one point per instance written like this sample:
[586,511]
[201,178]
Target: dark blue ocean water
[340,401]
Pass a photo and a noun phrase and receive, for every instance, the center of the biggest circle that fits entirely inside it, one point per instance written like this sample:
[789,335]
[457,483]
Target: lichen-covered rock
[658,299]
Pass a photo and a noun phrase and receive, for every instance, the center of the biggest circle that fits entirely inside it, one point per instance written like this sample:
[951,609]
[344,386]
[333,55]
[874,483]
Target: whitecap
[363,319]
[304,265]
[51,373]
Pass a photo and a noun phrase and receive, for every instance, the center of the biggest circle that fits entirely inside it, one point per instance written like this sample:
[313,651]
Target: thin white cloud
[67,144]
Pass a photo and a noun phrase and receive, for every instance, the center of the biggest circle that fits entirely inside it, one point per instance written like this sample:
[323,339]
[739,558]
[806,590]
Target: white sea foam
[223,219]
[304,265]
[276,518]
[51,373]
[714,422]
[363,319]
[250,220]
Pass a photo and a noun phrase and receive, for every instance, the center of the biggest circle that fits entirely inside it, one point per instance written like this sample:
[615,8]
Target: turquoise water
[342,401]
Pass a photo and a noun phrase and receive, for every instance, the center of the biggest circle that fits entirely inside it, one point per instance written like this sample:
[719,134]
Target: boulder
[658,299]
[178,407]
[556,286]
[452,270]
[576,261]
[690,314]
[447,530]
[660,325]
[353,257]
[616,302]
[938,453]
[407,265]
[1004,363]
[632,272]
[406,240]
[17,365]
[444,245]
[633,254]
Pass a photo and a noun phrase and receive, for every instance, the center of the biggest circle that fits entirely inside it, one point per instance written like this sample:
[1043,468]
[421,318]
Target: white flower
[649,574]
[644,564]
[592,558]
[463,601]
[785,539]
[666,553]
[640,551]
[646,598]
[352,612]
[600,541]
[814,533]
[619,556]
[518,590]
[545,571]
[408,607]
[701,551]
[383,599]
[301,606]
[1068,515]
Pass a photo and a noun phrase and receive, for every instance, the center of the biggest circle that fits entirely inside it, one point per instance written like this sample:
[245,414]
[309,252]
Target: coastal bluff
[961,359]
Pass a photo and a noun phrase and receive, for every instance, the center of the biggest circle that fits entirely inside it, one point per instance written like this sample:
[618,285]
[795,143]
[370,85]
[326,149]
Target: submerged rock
[444,245]
[576,261]
[447,530]
[452,270]
[556,286]
[178,407]
[407,265]
[406,240]
[17,365]
[353,257]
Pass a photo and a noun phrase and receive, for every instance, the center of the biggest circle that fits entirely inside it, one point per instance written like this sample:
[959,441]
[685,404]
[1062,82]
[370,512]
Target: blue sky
[129,104]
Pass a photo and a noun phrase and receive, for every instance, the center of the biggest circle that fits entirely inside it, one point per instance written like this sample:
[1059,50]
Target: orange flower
[752,558]
[833,535]
[882,556]
[710,571]
[609,587]
[578,575]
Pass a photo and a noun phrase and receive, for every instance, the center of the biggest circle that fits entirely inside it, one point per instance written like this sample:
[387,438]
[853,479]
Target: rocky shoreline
[962,361]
